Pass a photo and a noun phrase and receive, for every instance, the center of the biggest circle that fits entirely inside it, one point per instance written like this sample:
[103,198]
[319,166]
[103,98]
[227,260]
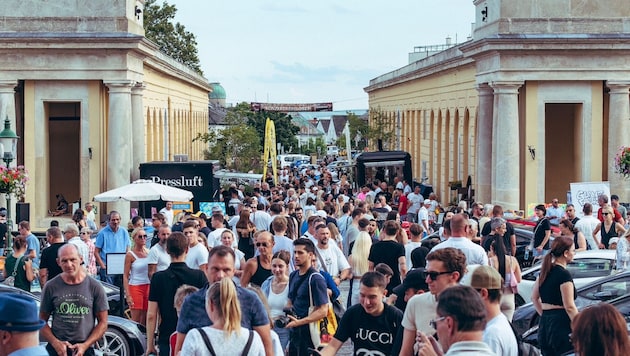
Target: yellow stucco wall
[187,111]
[438,115]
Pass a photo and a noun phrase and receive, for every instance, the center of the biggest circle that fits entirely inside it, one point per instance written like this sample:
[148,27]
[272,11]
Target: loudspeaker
[22,212]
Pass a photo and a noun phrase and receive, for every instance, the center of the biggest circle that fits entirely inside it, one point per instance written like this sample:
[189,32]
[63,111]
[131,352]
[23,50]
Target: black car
[603,289]
[123,337]
[622,304]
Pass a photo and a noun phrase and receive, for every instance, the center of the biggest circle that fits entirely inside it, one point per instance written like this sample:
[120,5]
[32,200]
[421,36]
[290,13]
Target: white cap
[427,202]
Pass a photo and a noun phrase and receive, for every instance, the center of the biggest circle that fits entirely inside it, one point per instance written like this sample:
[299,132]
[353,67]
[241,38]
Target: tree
[313,144]
[381,130]
[286,131]
[172,39]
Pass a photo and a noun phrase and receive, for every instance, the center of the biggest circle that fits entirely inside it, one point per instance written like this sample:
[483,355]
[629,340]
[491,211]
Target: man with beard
[330,256]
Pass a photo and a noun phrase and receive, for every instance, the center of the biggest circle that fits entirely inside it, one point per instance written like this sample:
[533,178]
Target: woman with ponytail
[225,336]
[508,268]
[554,296]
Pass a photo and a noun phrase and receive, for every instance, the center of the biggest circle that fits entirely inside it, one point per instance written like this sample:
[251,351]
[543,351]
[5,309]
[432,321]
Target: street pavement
[344,287]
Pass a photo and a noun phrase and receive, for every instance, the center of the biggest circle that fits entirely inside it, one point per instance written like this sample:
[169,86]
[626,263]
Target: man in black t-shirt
[372,324]
[509,237]
[390,252]
[48,266]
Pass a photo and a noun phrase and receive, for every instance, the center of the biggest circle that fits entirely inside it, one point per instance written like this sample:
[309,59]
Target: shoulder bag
[10,280]
[323,330]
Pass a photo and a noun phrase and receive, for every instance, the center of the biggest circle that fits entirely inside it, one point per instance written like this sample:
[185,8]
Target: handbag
[323,330]
[513,282]
[10,280]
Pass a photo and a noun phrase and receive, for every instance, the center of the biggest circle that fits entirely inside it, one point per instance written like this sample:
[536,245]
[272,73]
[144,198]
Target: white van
[332,151]
[284,161]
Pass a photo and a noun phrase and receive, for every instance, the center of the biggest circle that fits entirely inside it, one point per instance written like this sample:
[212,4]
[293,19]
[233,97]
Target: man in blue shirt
[111,239]
[301,286]
[32,243]
[253,313]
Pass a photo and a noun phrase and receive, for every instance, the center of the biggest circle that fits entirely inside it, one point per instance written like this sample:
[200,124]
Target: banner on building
[291,107]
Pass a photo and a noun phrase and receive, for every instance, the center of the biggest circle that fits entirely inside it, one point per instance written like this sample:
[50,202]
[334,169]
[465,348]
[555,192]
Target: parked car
[622,304]
[603,289]
[123,337]
[300,162]
[586,267]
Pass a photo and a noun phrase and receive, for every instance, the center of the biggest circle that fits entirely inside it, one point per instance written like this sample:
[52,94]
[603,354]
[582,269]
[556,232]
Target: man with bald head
[475,254]
[76,303]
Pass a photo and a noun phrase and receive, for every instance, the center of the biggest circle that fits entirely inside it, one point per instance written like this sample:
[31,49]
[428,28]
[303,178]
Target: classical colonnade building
[92,98]
[536,99]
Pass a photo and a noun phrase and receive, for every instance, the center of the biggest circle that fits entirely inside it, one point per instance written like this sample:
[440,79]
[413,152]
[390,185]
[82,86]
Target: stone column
[483,167]
[7,109]
[506,163]
[119,140]
[137,127]
[618,134]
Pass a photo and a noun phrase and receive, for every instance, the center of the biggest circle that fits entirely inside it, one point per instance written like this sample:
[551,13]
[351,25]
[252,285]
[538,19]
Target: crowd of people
[250,278]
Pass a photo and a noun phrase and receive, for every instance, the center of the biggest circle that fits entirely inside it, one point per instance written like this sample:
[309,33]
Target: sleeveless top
[139,273]
[261,274]
[607,235]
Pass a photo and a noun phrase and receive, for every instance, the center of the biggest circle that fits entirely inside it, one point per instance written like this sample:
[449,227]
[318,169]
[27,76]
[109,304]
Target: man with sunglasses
[258,268]
[445,268]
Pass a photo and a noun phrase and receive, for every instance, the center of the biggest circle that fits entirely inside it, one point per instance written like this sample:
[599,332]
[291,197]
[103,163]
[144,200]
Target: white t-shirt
[333,258]
[410,246]
[197,256]
[475,254]
[158,256]
[414,202]
[587,225]
[420,310]
[423,215]
[168,214]
[499,336]
[214,237]
[233,345]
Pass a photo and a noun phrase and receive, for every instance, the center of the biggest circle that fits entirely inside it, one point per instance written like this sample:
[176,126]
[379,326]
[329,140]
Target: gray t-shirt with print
[73,307]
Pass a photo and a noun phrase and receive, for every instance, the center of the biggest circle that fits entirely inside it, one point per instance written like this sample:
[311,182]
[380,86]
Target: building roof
[218,92]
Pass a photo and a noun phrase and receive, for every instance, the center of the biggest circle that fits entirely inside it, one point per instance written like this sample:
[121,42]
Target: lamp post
[8,142]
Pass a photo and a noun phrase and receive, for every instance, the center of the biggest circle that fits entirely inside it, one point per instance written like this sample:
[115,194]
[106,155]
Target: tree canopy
[171,38]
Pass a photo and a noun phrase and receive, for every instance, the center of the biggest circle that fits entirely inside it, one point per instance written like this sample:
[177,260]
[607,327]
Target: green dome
[217,91]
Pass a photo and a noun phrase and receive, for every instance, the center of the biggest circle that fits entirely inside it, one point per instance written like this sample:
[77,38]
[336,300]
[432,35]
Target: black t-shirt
[49,260]
[539,232]
[388,252]
[164,284]
[370,333]
[299,291]
[509,231]
[550,289]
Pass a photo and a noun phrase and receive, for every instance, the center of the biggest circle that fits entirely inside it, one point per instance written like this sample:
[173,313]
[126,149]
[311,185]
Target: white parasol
[144,190]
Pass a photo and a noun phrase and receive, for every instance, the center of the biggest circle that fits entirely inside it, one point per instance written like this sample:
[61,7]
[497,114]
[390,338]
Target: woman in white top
[509,269]
[358,261]
[225,337]
[136,276]
[623,252]
[276,289]
[227,239]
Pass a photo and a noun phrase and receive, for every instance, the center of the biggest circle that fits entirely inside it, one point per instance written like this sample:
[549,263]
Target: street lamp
[8,143]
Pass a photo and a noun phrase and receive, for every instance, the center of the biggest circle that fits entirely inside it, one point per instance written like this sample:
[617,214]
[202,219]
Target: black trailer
[384,166]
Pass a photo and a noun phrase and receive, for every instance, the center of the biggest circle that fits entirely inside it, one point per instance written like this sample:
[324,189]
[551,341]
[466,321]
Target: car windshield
[615,287]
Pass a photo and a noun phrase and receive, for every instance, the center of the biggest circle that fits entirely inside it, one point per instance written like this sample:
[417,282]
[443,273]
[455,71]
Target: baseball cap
[19,313]
[485,277]
[427,202]
[415,279]
[613,240]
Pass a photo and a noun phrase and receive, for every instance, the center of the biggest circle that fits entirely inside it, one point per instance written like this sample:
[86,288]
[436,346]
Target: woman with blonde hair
[358,261]
[226,333]
[136,276]
[335,234]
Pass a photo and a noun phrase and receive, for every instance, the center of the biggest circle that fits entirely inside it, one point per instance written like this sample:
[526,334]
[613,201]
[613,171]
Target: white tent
[144,190]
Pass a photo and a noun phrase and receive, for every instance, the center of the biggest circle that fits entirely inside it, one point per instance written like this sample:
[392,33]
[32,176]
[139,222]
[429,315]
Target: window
[590,267]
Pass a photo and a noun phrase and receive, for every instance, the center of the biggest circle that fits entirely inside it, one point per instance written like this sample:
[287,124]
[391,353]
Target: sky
[284,51]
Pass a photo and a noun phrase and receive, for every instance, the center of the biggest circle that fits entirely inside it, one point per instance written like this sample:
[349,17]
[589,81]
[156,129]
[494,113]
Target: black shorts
[553,333]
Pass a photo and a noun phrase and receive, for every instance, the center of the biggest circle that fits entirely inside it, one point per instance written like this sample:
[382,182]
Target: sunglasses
[434,275]
[433,322]
[85,233]
[263,244]
[605,213]
[142,236]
